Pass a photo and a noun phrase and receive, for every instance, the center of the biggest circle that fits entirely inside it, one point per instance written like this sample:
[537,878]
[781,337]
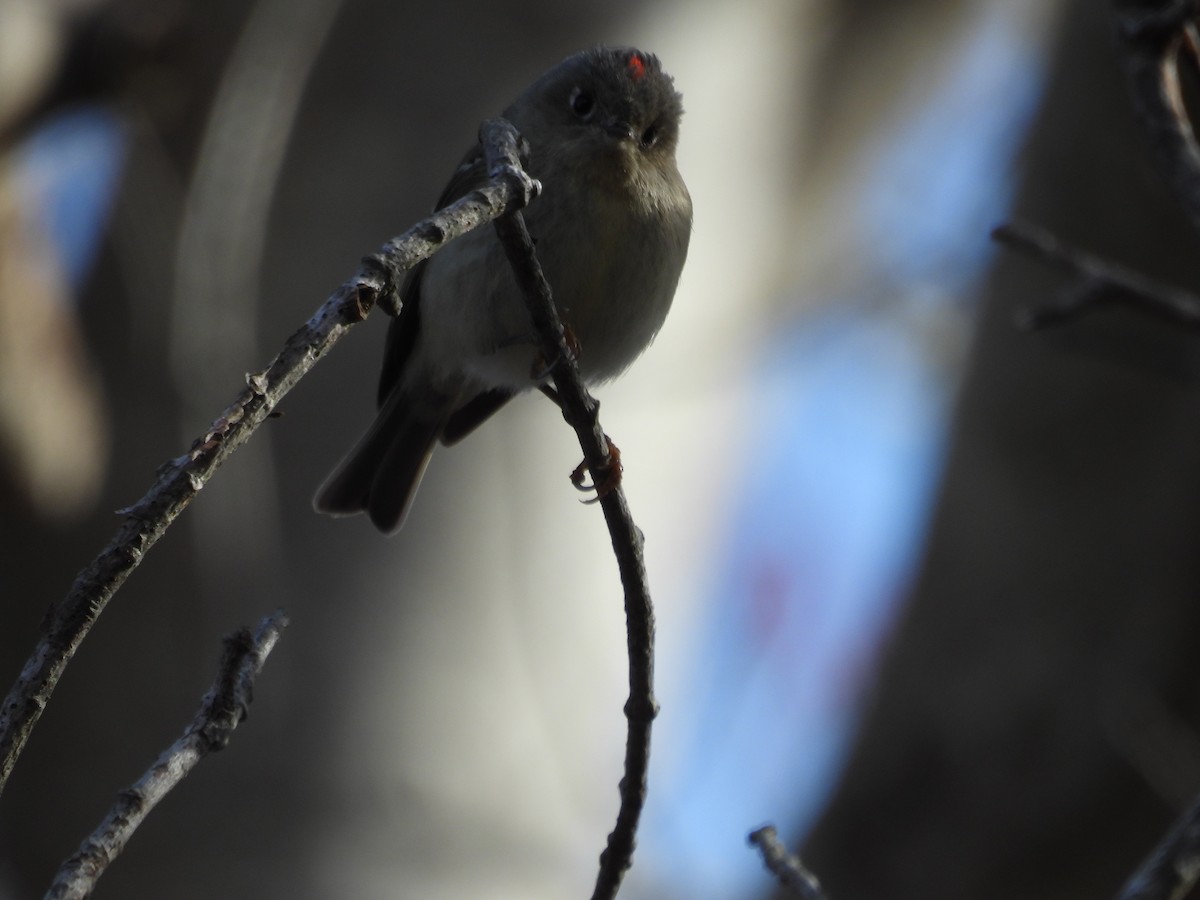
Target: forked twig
[224,707]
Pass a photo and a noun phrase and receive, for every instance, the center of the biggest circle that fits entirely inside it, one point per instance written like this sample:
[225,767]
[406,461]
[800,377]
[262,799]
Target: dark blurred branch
[179,480]
[1099,281]
[1153,35]
[786,866]
[223,708]
[581,412]
[1174,866]
[1156,36]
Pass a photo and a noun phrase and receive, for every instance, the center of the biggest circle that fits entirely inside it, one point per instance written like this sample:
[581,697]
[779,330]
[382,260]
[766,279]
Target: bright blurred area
[918,575]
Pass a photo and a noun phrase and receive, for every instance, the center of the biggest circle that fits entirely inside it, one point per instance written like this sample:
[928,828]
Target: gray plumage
[612,226]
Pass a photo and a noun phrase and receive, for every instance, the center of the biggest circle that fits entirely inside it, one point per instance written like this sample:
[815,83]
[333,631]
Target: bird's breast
[612,255]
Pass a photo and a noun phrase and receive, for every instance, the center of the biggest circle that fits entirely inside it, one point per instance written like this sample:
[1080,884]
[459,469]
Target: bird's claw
[606,480]
[542,370]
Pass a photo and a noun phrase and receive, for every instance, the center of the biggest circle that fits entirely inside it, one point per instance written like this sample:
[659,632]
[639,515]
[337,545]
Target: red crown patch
[636,66]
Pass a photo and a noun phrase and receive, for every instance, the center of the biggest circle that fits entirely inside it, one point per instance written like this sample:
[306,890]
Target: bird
[611,227]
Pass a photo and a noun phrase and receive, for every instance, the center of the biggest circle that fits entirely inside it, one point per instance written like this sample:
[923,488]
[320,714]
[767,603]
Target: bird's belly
[614,293]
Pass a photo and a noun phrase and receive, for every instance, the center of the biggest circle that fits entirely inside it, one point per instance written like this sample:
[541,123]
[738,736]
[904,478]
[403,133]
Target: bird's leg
[606,480]
[610,475]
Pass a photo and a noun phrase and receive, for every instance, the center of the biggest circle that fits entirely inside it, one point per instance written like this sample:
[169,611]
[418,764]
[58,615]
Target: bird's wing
[402,333]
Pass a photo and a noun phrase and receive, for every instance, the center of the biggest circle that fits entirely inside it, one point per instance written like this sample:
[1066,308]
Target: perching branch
[179,480]
[786,866]
[223,708]
[581,412]
[376,283]
[1098,281]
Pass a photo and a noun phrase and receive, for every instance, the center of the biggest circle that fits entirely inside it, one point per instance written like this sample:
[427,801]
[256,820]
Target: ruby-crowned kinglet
[612,225]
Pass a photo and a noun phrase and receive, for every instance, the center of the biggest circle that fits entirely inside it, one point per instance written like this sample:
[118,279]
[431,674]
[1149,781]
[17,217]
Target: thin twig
[786,866]
[223,708]
[1099,281]
[581,412]
[180,479]
[1174,867]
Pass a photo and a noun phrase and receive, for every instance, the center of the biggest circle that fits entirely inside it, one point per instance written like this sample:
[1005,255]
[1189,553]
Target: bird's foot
[605,480]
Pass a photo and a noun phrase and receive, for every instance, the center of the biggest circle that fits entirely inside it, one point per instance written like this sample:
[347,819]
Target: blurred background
[926,583]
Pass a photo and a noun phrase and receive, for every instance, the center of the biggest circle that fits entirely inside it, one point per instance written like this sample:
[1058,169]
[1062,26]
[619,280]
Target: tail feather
[381,474]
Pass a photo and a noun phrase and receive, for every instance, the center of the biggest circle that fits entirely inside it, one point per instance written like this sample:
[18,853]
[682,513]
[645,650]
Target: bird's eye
[649,137]
[582,103]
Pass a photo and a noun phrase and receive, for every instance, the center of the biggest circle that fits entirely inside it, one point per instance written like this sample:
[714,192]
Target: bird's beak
[619,129]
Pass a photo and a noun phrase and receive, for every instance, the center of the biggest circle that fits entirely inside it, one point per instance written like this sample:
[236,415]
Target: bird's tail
[380,475]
